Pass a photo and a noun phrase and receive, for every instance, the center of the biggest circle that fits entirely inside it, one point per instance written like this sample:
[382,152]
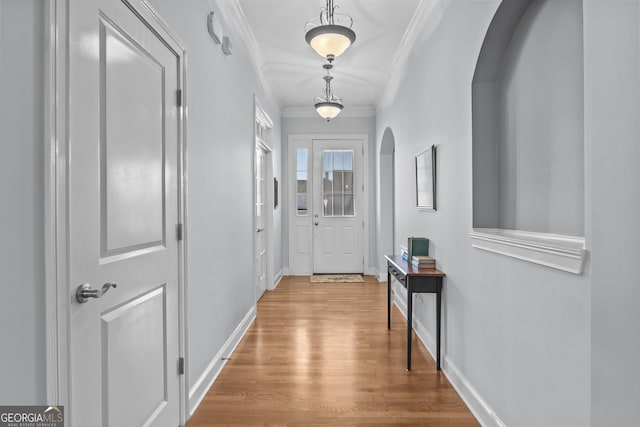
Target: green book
[418,246]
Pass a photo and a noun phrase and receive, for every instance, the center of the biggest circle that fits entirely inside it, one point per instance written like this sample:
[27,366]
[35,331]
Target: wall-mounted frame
[426,179]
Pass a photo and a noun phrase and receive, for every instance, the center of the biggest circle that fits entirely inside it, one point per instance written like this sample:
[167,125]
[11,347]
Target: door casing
[56,224]
[305,141]
[261,117]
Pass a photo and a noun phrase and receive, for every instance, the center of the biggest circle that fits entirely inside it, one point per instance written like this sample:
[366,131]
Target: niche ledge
[564,253]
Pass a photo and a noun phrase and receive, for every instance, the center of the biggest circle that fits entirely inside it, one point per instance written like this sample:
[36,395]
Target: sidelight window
[302,182]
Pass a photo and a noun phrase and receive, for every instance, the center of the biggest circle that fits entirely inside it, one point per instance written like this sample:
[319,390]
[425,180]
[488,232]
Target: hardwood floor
[321,354]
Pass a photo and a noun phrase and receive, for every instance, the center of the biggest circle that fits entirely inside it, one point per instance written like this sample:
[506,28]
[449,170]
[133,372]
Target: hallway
[320,354]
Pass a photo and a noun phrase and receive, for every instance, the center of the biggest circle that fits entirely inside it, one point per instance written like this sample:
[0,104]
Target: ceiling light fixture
[330,34]
[328,106]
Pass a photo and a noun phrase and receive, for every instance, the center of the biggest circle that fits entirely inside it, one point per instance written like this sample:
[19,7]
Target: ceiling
[293,70]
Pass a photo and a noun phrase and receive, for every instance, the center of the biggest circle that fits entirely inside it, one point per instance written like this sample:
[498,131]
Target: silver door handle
[85,292]
[259,230]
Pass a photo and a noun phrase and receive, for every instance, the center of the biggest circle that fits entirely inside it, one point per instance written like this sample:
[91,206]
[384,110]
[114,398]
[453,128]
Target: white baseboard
[277,279]
[471,397]
[467,392]
[372,271]
[382,276]
[285,271]
[205,381]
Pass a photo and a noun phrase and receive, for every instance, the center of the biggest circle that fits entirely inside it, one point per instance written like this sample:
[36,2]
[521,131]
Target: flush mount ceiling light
[328,106]
[330,34]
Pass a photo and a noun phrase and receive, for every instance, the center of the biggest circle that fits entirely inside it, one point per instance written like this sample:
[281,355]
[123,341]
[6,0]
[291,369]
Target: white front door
[338,218]
[260,222]
[123,213]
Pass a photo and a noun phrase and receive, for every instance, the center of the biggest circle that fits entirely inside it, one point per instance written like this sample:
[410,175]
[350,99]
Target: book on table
[404,253]
[423,261]
[417,246]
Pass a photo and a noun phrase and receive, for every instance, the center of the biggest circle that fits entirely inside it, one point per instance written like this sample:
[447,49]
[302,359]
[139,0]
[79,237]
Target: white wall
[220,145]
[22,332]
[220,138]
[514,333]
[339,125]
[541,154]
[612,109]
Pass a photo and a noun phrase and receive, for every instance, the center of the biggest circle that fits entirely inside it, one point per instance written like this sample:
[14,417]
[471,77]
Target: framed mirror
[426,179]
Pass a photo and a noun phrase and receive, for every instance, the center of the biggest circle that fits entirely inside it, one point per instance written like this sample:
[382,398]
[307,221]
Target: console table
[416,280]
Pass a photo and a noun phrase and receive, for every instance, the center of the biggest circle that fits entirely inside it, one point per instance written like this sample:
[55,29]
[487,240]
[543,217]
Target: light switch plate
[226,45]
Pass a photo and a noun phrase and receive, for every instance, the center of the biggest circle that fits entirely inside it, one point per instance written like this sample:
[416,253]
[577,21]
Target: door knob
[85,292]
[316,222]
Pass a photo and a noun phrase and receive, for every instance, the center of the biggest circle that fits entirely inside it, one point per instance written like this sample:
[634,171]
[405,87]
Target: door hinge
[179,97]
[181,366]
[179,232]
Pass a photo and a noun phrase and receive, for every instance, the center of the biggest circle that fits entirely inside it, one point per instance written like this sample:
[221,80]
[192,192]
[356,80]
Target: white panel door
[123,211]
[260,222]
[338,218]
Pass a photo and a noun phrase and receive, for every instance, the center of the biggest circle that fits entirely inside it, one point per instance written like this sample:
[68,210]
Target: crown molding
[309,112]
[399,63]
[233,15]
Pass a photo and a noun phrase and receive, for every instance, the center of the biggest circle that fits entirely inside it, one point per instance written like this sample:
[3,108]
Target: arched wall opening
[386,233]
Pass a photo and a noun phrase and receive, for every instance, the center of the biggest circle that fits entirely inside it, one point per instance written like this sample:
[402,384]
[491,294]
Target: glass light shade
[328,110]
[330,40]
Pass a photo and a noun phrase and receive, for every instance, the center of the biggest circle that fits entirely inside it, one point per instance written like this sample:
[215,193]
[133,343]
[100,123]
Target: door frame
[297,140]
[56,197]
[260,116]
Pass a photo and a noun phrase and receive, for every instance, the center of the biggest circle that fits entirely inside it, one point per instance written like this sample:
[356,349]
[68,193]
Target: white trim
[309,112]
[262,118]
[261,115]
[181,50]
[564,253]
[202,385]
[276,280]
[399,63]
[55,203]
[471,397]
[234,18]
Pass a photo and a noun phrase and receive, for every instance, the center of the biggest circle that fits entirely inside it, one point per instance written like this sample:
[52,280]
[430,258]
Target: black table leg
[388,298]
[438,314]
[409,321]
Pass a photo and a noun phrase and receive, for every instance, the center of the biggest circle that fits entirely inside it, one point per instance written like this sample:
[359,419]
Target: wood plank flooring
[321,354]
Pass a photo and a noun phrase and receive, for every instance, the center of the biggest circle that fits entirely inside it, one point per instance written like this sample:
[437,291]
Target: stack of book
[404,252]
[423,261]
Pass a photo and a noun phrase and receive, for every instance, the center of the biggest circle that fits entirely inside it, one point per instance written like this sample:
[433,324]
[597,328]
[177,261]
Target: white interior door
[123,213]
[338,218]
[260,222]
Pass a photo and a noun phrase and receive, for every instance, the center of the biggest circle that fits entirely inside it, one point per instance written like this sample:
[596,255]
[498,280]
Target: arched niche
[386,231]
[528,134]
